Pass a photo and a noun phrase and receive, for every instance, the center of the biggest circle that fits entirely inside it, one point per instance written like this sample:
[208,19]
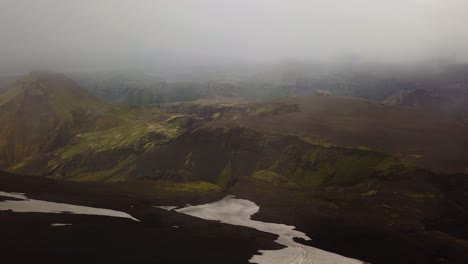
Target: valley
[356,176]
[233,132]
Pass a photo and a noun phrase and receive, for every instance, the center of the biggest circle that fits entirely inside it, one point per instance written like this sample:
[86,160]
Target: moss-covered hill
[42,110]
[52,127]
[265,152]
[47,117]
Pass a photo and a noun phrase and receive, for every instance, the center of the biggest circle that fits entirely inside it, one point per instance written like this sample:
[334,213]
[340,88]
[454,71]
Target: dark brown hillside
[426,138]
[453,102]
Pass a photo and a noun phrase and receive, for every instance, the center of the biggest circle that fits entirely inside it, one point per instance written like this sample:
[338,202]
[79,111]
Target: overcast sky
[102,33]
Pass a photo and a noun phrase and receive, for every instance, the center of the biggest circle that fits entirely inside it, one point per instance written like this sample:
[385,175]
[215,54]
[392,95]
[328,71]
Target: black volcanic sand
[109,195]
[6,198]
[384,228]
[387,227]
[29,238]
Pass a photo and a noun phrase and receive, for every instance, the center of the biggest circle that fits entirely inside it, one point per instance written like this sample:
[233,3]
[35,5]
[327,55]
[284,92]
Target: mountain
[372,81]
[127,87]
[429,139]
[67,129]
[413,98]
[136,88]
[6,81]
[453,101]
[357,175]
[74,135]
[52,126]
[40,111]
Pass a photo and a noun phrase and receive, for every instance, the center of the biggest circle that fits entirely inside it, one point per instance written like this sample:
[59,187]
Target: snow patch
[37,206]
[239,211]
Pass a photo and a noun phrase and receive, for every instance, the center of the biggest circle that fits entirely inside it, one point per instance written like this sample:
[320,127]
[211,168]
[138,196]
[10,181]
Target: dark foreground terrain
[384,227]
[341,221]
[30,238]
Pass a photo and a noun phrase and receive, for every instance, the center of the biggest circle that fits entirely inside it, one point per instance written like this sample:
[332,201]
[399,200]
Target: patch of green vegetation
[421,197]
[351,169]
[68,173]
[113,174]
[131,136]
[272,178]
[386,206]
[180,120]
[363,148]
[369,193]
[71,150]
[269,109]
[317,142]
[269,176]
[275,165]
[97,176]
[335,166]
[19,165]
[225,177]
[216,115]
[311,156]
[190,186]
[392,165]
[313,177]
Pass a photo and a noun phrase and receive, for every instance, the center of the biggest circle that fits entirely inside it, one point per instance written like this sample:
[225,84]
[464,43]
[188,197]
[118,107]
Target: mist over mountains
[234,131]
[152,35]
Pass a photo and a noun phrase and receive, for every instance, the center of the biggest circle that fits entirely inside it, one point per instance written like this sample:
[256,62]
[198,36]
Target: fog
[106,34]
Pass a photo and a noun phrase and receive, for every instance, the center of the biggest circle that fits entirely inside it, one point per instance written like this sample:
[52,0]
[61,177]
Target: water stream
[23,204]
[235,211]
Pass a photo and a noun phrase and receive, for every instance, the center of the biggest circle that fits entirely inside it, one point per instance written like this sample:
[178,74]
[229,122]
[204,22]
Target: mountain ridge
[40,108]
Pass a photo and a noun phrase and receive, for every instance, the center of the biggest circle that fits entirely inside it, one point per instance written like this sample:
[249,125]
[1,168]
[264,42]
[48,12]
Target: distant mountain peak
[39,108]
[413,98]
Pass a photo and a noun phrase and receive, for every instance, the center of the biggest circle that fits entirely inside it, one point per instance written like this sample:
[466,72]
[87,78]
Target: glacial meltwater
[20,203]
[235,211]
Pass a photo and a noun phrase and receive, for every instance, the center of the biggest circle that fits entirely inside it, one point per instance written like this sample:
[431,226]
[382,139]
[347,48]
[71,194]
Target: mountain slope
[40,111]
[414,98]
[51,126]
[288,156]
[429,139]
[450,101]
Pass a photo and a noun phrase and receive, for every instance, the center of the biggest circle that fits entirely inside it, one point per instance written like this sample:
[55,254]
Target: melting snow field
[60,224]
[238,212]
[26,205]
